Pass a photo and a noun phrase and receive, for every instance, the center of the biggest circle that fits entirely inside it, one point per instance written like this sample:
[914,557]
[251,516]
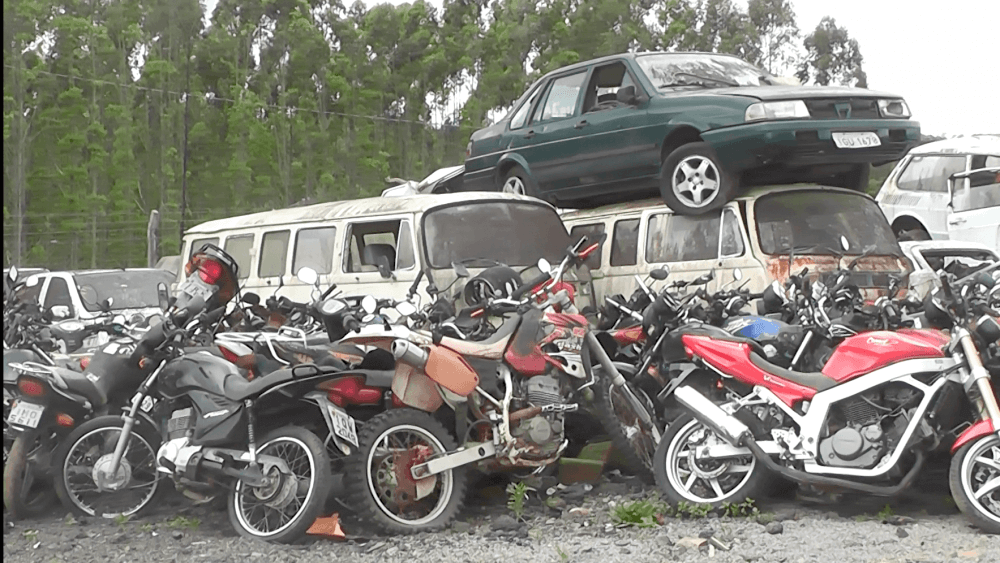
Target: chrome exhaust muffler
[709,414]
[409,353]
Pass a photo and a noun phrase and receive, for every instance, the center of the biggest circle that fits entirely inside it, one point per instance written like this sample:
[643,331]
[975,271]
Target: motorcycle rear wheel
[975,472]
[381,491]
[26,493]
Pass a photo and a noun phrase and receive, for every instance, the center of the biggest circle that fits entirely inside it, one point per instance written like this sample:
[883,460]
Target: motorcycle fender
[414,389]
[973,433]
[451,371]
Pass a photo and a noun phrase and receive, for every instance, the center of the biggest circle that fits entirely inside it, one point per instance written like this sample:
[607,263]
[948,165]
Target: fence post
[153,239]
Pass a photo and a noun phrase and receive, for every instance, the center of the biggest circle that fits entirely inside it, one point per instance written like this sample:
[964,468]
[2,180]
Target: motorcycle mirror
[118,319]
[544,266]
[60,312]
[162,296]
[737,274]
[845,244]
[406,308]
[460,270]
[251,299]
[12,274]
[307,275]
[369,304]
[32,281]
[660,273]
[106,304]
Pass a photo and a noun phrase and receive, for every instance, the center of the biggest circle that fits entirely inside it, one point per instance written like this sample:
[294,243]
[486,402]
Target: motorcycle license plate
[343,425]
[25,414]
[147,402]
[195,289]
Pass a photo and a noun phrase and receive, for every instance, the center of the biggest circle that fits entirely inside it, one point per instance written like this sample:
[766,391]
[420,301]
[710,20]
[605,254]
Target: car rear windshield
[128,290]
[669,71]
[813,222]
[515,234]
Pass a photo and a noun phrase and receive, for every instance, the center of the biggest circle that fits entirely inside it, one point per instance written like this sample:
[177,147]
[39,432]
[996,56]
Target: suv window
[985,177]
[58,294]
[380,239]
[240,248]
[273,254]
[625,243]
[930,173]
[198,243]
[560,102]
[732,238]
[677,238]
[604,85]
[592,232]
[314,248]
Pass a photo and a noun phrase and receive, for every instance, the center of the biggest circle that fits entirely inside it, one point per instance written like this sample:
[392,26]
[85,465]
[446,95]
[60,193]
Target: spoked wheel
[975,482]
[684,478]
[631,439]
[283,510]
[27,490]
[84,481]
[381,486]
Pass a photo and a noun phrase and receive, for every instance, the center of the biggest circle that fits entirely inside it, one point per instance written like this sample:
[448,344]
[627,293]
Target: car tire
[856,179]
[693,180]
[516,181]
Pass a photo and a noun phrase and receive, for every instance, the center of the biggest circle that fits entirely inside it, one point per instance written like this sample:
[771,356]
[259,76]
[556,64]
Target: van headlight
[893,108]
[789,109]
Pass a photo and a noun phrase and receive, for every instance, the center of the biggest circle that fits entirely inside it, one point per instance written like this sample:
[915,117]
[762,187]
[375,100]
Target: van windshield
[813,222]
[128,290]
[512,233]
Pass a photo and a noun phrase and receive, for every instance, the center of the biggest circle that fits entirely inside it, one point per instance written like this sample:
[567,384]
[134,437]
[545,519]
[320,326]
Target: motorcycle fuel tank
[869,351]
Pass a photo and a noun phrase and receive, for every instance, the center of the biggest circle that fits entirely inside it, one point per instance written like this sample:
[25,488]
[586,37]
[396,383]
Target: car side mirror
[162,296]
[626,95]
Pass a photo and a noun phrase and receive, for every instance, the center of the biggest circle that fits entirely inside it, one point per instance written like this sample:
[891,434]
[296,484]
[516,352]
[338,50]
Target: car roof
[366,207]
[975,144]
[100,271]
[750,194]
[630,56]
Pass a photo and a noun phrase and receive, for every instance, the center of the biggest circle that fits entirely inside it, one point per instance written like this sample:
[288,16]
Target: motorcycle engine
[544,431]
[864,428]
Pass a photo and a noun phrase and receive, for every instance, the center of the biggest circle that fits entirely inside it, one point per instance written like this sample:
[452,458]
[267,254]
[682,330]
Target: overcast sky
[943,57]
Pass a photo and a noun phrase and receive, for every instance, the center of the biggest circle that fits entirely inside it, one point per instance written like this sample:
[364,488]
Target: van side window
[240,248]
[591,232]
[984,178]
[314,248]
[273,254]
[57,294]
[677,238]
[625,243]
[197,244]
[930,173]
[732,238]
[371,242]
[404,248]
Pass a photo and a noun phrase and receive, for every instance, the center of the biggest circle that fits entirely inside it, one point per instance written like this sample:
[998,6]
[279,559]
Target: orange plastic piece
[451,371]
[328,526]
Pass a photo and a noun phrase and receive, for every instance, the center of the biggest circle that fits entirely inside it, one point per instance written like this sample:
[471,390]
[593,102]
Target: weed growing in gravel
[885,513]
[30,535]
[516,495]
[70,521]
[184,522]
[747,508]
[121,520]
[563,556]
[641,513]
[147,527]
[861,518]
[692,510]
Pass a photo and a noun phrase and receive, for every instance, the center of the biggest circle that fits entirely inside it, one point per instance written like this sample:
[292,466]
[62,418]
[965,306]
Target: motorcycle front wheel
[379,482]
[27,492]
[282,511]
[82,463]
[975,482]
[635,443]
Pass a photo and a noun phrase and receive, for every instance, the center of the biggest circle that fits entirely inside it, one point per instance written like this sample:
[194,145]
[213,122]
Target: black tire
[966,473]
[316,496]
[92,429]
[18,470]
[517,181]
[614,411]
[668,481]
[916,233]
[362,491]
[856,179]
[689,170]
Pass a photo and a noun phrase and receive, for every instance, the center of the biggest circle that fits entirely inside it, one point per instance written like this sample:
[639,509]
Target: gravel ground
[923,527]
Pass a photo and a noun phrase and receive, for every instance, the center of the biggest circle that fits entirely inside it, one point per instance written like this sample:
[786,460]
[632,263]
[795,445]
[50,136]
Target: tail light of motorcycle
[65,420]
[209,271]
[351,390]
[31,386]
[84,362]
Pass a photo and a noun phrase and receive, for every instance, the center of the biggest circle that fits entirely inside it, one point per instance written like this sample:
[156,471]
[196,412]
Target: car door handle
[581,124]
[956,220]
[529,134]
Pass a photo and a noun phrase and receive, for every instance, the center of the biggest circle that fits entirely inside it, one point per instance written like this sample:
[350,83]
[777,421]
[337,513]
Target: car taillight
[210,271]
[30,386]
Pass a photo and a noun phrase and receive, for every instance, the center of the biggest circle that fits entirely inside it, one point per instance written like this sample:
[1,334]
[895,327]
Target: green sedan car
[696,126]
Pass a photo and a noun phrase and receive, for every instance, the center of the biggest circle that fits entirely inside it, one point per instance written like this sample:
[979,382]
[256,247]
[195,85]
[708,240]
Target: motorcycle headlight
[71,326]
[790,109]
[893,108]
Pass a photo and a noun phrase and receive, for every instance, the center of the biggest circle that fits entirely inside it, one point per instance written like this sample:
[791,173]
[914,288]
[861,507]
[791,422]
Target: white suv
[947,190]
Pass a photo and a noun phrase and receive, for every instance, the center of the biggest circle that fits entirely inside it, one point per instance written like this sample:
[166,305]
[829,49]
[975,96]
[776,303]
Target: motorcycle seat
[320,355]
[78,384]
[238,389]
[812,380]
[317,340]
[491,348]
[381,378]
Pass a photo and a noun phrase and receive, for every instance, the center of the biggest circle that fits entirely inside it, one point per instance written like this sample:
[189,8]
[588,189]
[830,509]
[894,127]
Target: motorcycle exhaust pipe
[409,353]
[709,414]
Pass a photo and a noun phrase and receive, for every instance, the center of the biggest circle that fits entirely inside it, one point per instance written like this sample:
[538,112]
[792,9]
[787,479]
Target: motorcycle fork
[619,381]
[990,410]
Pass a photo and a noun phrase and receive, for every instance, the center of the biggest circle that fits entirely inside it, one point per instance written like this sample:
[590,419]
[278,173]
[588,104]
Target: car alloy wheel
[696,181]
[514,185]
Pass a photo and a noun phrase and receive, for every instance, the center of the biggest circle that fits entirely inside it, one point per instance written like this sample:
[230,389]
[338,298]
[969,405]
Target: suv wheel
[692,180]
[516,181]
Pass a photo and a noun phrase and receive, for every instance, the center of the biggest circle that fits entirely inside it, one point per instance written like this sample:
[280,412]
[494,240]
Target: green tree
[774,21]
[832,57]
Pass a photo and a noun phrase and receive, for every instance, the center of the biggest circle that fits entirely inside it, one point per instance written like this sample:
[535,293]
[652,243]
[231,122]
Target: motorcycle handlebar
[530,285]
[351,323]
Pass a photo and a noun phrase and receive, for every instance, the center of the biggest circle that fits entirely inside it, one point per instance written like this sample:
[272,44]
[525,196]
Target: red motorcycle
[865,423]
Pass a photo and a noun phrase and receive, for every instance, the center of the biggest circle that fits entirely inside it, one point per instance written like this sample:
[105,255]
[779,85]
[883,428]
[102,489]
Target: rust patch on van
[871,274]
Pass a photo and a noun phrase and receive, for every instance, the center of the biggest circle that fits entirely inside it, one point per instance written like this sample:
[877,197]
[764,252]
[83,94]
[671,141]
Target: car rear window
[128,289]
[813,222]
[929,173]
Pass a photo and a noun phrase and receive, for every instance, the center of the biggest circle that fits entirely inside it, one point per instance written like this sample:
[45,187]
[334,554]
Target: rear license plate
[343,425]
[196,289]
[856,140]
[26,414]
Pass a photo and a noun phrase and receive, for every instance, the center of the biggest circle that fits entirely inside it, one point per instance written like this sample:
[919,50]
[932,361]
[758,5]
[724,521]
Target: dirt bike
[866,423]
[506,397]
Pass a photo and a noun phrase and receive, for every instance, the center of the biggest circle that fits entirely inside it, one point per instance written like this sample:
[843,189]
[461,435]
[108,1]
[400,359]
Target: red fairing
[351,391]
[534,363]
[631,335]
[733,358]
[566,320]
[869,351]
[973,433]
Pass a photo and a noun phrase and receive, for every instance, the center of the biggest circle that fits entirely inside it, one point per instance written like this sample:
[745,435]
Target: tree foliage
[113,109]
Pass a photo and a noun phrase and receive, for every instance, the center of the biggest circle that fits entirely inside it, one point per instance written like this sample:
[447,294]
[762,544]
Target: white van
[346,241]
[918,197]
